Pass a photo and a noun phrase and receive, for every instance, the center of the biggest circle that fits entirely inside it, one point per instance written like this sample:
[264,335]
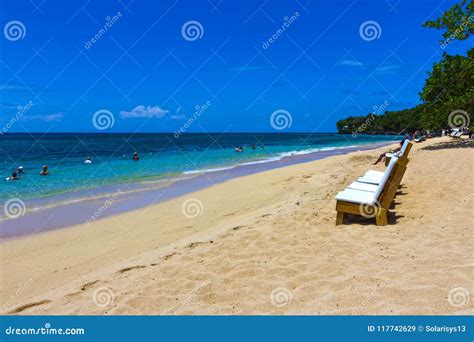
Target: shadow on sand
[455,143]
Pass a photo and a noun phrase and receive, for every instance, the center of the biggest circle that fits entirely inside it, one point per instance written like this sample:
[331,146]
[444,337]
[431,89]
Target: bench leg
[381,218]
[339,218]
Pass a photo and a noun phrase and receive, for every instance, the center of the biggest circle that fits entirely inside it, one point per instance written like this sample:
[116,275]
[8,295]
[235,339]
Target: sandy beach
[265,244]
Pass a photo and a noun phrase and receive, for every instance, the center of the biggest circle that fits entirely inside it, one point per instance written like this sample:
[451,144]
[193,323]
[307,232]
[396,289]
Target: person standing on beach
[135,156]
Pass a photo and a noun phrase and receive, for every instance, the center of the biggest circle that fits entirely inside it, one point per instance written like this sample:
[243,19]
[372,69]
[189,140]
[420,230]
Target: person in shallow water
[20,171]
[14,176]
[44,171]
[135,156]
[88,160]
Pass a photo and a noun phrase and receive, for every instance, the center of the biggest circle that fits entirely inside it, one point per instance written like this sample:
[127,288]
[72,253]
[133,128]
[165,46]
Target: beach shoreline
[56,212]
[250,237]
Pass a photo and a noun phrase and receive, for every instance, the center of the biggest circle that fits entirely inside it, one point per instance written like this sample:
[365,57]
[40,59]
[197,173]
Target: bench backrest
[386,176]
[406,147]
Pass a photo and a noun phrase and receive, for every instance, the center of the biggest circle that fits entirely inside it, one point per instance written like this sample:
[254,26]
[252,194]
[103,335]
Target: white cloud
[387,69]
[351,62]
[178,117]
[144,112]
[47,118]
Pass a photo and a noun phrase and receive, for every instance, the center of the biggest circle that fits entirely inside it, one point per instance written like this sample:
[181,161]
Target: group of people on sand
[463,130]
[416,136]
[241,148]
[20,171]
[420,136]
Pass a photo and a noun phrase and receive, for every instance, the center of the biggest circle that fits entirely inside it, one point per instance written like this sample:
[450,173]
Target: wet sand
[70,209]
[265,243]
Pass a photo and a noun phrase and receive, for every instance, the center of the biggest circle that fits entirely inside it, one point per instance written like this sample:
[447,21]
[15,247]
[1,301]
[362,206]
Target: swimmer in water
[44,171]
[14,176]
[20,171]
[135,156]
[88,160]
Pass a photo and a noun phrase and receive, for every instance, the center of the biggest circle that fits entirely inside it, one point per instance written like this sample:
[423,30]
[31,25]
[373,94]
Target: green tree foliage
[449,86]
[391,122]
[456,21]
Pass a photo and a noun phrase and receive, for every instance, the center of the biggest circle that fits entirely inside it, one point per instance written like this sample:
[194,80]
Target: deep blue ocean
[162,156]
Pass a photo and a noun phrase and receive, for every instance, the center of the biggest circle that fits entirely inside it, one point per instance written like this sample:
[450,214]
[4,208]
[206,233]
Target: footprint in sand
[126,269]
[29,305]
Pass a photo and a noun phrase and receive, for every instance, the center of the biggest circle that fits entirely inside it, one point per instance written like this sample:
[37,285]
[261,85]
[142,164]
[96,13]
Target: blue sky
[150,76]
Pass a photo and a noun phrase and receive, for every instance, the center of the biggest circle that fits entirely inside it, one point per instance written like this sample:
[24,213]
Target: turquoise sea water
[162,156]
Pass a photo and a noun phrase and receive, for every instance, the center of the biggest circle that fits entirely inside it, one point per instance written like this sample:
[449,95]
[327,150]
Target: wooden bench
[372,203]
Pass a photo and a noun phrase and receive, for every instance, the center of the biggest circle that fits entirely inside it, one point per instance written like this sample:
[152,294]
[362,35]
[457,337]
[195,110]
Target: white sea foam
[267,160]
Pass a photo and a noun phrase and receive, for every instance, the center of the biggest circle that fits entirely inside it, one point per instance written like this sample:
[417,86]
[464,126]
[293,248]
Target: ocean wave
[280,156]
